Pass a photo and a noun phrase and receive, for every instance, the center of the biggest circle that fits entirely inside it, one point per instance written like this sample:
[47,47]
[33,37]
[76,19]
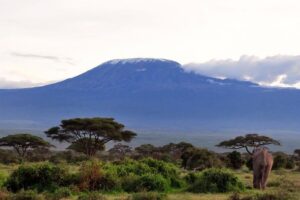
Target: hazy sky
[45,41]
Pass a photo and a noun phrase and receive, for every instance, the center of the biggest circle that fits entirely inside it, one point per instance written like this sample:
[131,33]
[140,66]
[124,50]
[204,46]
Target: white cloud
[7,84]
[277,71]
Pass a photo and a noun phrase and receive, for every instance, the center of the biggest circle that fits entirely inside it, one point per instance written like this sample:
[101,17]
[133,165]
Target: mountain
[153,94]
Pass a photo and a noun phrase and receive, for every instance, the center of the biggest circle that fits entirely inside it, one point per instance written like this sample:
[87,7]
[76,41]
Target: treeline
[183,155]
[88,136]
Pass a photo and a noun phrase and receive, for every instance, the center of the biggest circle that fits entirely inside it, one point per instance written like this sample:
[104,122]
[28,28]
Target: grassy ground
[276,180]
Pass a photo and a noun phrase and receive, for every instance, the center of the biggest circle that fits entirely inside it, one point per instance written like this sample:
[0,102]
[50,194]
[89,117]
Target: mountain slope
[154,93]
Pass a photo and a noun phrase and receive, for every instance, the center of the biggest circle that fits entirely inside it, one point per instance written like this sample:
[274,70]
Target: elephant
[262,166]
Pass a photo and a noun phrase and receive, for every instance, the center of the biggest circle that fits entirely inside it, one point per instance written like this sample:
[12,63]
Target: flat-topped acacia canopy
[22,142]
[253,140]
[89,135]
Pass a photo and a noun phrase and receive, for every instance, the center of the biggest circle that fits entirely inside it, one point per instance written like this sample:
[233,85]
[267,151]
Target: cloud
[37,56]
[277,71]
[10,84]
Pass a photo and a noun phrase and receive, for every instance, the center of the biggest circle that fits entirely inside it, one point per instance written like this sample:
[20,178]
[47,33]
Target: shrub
[110,182]
[26,195]
[168,170]
[235,160]
[148,182]
[92,196]
[148,196]
[200,159]
[290,164]
[38,176]
[216,180]
[129,168]
[192,177]
[90,175]
[280,161]
[249,164]
[129,175]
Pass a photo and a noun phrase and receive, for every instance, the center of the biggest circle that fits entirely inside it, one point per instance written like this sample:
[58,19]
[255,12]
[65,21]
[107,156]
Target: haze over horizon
[45,42]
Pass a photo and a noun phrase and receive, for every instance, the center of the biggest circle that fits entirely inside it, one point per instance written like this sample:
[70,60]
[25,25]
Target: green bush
[192,177]
[26,195]
[249,164]
[90,176]
[148,196]
[216,181]
[131,169]
[235,160]
[147,182]
[110,182]
[290,164]
[280,161]
[168,170]
[92,196]
[41,177]
[200,159]
[93,177]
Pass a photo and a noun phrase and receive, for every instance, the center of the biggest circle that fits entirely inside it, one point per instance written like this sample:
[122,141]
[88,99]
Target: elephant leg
[265,177]
[262,176]
[256,179]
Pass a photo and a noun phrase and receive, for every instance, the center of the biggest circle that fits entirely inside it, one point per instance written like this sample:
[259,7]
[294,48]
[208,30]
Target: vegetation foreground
[144,179]
[31,169]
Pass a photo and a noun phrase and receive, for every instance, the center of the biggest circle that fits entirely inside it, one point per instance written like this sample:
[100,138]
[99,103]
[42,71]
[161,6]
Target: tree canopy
[248,141]
[23,142]
[89,135]
[146,149]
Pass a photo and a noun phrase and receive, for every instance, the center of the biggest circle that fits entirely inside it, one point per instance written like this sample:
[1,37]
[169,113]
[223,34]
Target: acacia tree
[248,141]
[24,142]
[89,135]
[176,149]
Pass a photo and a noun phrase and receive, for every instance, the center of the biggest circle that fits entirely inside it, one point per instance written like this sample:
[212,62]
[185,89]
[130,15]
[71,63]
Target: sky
[42,42]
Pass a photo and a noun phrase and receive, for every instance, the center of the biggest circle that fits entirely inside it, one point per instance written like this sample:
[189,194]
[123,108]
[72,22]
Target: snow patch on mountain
[211,81]
[137,60]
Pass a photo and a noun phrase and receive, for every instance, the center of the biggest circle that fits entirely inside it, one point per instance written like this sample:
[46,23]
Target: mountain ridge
[155,93]
[136,66]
